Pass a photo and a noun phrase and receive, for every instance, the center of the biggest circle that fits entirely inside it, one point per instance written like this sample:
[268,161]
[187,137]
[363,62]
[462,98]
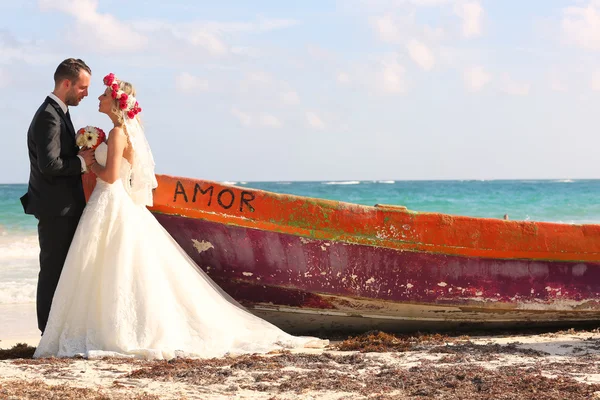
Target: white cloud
[269,120]
[103,32]
[209,34]
[342,78]
[199,35]
[421,54]
[383,74]
[314,121]
[244,118]
[514,88]
[94,30]
[175,36]
[260,83]
[396,22]
[387,4]
[263,119]
[386,29]
[12,50]
[392,76]
[430,3]
[320,54]
[245,51]
[471,14]
[215,27]
[476,78]
[267,24]
[581,26]
[397,27]
[596,81]
[261,25]
[557,84]
[4,78]
[207,41]
[258,78]
[188,83]
[290,98]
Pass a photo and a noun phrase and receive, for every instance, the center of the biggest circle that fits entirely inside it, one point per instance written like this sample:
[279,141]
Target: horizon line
[374,180]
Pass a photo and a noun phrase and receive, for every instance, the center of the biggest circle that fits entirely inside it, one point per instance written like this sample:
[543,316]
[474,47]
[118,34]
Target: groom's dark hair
[70,69]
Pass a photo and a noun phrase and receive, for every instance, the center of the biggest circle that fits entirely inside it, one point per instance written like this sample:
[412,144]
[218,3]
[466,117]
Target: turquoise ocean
[565,201]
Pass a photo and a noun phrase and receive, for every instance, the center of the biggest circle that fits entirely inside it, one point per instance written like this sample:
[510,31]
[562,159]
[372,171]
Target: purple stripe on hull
[263,266]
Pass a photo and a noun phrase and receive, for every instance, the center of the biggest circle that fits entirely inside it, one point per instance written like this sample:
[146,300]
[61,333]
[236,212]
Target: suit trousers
[55,234]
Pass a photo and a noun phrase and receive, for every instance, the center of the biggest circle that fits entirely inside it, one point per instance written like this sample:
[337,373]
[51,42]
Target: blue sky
[324,90]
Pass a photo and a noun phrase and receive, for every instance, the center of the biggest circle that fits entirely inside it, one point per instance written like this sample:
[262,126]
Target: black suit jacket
[55,187]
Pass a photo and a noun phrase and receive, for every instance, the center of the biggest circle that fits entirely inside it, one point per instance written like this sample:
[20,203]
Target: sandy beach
[550,365]
[18,324]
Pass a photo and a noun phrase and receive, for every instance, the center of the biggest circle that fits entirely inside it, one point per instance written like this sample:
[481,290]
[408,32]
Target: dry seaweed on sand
[469,382]
[377,341]
[299,374]
[487,349]
[457,373]
[20,350]
[456,382]
[21,389]
[217,370]
[195,372]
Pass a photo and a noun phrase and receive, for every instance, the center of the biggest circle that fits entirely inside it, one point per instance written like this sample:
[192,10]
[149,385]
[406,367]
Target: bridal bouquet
[90,137]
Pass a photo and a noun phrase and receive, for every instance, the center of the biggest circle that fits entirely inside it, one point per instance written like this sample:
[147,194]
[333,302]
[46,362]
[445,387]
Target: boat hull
[309,285]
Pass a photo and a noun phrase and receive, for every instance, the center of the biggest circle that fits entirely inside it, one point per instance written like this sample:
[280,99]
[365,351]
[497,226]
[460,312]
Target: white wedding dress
[128,289]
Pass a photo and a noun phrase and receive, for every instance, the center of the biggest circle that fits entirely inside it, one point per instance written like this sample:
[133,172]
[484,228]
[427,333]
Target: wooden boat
[309,264]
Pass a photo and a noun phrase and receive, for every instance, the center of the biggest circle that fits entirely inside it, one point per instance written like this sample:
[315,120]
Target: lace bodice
[101,156]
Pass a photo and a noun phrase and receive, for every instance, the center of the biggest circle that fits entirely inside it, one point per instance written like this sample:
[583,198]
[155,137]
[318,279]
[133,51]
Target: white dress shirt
[65,109]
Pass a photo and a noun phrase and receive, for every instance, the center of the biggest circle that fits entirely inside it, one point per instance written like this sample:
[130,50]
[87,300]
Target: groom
[55,193]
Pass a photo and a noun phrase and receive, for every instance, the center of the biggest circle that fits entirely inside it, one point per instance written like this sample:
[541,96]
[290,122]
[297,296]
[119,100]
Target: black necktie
[69,121]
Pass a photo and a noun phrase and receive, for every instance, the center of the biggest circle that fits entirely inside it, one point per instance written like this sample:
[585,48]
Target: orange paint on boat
[391,227]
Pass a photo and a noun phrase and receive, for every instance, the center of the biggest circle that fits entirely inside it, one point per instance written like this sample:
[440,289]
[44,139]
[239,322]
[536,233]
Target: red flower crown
[127,103]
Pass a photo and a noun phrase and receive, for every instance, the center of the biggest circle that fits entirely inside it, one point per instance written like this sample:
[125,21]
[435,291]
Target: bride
[127,288]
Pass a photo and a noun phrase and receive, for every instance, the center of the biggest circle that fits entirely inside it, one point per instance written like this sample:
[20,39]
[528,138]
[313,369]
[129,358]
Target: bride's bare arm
[117,141]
